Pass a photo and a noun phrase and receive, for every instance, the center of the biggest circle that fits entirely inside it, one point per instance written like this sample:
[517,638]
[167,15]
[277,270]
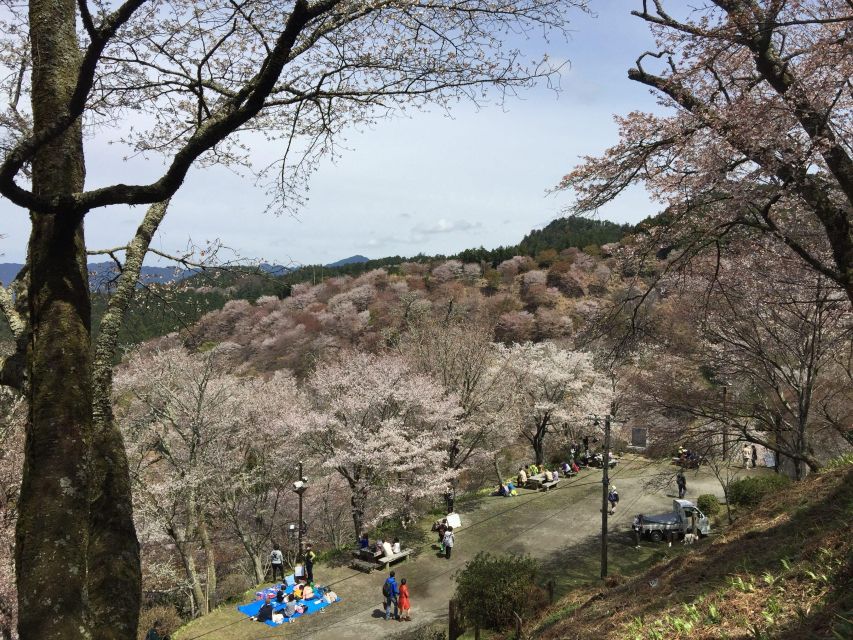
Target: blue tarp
[311,606]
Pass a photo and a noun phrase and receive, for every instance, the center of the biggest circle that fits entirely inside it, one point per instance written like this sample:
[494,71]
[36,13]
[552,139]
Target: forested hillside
[158,308]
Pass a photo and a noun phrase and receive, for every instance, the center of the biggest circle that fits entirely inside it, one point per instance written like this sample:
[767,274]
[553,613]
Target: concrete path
[560,527]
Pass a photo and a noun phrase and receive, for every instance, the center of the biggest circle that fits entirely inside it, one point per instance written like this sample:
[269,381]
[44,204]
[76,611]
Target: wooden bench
[549,485]
[363,566]
[387,560]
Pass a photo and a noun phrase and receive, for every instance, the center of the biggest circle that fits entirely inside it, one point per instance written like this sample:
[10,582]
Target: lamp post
[299,488]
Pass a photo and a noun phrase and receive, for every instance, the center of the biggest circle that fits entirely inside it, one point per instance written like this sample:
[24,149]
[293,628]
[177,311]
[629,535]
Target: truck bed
[670,518]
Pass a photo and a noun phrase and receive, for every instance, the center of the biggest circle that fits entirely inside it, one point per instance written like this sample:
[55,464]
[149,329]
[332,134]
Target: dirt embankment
[783,571]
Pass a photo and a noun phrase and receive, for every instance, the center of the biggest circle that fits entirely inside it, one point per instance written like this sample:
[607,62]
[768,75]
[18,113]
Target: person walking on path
[405,605]
[681,481]
[391,591]
[747,455]
[277,561]
[448,542]
[310,556]
[613,499]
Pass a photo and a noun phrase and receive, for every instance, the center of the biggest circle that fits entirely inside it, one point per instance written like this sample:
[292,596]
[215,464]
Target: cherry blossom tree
[759,132]
[206,446]
[755,345]
[193,83]
[12,409]
[384,429]
[553,386]
[461,356]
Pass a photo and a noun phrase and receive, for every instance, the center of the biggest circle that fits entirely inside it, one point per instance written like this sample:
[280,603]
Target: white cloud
[442,225]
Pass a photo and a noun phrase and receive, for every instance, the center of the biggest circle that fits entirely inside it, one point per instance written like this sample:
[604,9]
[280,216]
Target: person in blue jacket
[391,591]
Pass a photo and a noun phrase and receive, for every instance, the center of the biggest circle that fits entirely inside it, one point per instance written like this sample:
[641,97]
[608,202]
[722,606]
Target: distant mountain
[101,273]
[357,259]
[8,271]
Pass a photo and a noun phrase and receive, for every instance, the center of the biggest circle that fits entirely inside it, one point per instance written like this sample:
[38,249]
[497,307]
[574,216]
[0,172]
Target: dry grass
[783,571]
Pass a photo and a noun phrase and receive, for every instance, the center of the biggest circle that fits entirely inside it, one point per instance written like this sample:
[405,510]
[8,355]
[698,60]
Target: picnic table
[366,560]
[538,481]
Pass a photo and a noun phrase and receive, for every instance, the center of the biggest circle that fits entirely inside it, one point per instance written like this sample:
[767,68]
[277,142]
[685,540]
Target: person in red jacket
[405,606]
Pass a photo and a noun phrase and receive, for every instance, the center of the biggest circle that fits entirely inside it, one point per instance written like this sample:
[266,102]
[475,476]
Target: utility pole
[605,487]
[299,548]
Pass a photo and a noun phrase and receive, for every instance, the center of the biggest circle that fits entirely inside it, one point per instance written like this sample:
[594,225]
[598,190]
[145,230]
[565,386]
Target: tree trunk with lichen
[52,530]
[115,575]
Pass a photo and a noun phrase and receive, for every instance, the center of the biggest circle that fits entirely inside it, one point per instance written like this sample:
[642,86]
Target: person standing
[635,529]
[310,556]
[681,481]
[390,591]
[754,456]
[747,455]
[277,561]
[448,542]
[613,499]
[405,606]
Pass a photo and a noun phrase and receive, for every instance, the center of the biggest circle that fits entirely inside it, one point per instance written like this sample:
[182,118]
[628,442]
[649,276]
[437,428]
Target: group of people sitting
[285,606]
[508,488]
[687,458]
[381,546]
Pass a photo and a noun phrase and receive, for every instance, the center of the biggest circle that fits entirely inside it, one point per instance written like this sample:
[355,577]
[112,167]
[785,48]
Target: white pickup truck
[683,517]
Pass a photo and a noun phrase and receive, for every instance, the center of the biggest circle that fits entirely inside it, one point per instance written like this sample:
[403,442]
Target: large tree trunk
[539,441]
[210,561]
[358,501]
[115,575]
[52,530]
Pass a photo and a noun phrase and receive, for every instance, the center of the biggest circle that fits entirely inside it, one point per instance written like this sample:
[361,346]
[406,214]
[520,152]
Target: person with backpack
[613,499]
[681,481]
[448,542]
[390,591]
[277,561]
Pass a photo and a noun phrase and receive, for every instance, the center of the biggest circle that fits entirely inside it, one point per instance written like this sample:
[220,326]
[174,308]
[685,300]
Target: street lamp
[299,487]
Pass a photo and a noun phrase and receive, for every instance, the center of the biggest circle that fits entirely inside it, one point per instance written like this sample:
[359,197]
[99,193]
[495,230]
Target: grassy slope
[783,571]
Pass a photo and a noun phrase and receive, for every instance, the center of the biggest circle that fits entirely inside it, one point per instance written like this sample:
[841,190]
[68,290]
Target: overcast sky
[427,183]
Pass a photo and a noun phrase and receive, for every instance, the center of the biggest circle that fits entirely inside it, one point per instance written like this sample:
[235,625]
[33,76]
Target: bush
[232,586]
[708,504]
[749,491]
[166,614]
[842,461]
[490,588]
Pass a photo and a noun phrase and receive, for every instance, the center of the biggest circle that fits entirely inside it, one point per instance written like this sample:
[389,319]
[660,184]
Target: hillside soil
[783,571]
[560,527]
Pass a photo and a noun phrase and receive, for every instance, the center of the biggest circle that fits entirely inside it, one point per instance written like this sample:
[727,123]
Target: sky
[427,183]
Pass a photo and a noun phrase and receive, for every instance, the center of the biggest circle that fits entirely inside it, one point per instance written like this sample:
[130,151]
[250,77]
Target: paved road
[560,527]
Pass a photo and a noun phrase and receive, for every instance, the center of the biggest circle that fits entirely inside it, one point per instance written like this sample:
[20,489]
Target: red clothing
[404,596]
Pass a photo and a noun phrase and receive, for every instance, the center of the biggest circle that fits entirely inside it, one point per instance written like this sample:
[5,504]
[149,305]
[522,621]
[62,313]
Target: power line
[436,575]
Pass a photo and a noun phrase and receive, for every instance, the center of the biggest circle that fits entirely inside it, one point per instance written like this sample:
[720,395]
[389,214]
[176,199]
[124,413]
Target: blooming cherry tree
[382,427]
[553,386]
[758,135]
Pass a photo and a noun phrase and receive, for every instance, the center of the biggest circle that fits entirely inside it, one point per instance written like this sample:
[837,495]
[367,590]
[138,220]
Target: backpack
[386,589]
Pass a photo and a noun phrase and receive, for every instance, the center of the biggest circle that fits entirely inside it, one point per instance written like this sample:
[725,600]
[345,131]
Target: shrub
[166,614]
[490,588]
[708,504]
[748,492]
[232,586]
[844,460]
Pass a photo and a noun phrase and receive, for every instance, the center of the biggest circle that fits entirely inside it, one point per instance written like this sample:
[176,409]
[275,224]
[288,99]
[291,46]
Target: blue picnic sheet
[311,606]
